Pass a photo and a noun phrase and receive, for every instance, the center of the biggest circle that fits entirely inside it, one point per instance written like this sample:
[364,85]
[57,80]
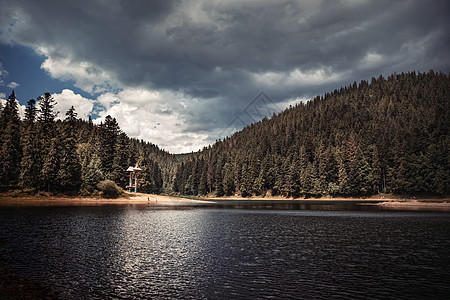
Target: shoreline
[128,199]
[416,205]
[389,203]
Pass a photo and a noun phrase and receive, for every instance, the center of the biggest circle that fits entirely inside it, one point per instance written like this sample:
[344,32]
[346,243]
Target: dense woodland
[387,136]
[40,153]
[390,135]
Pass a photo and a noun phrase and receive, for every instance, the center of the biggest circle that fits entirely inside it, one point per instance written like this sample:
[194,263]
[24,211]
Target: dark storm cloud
[225,52]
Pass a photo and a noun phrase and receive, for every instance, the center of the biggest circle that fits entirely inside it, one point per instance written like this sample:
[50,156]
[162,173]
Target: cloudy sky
[182,74]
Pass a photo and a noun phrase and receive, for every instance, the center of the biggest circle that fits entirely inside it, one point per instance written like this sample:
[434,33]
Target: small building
[134,171]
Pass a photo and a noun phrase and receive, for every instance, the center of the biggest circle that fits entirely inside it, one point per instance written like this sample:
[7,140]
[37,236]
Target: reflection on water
[142,252]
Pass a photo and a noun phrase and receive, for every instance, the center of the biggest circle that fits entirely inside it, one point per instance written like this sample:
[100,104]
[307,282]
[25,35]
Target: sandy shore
[150,199]
[416,205]
[127,199]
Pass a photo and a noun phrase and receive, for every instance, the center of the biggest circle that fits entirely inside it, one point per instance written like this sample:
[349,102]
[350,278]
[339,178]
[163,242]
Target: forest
[389,135]
[72,156]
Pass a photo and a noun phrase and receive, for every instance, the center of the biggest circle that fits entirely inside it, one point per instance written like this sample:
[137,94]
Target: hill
[387,136]
[390,135]
[72,156]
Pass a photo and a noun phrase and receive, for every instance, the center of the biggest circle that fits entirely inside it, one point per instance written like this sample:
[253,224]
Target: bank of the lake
[62,200]
[387,202]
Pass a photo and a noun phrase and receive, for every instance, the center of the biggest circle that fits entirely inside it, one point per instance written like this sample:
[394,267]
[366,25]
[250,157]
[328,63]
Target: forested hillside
[72,156]
[390,135]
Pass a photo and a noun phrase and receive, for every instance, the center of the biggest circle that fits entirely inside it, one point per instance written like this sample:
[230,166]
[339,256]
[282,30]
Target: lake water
[200,252]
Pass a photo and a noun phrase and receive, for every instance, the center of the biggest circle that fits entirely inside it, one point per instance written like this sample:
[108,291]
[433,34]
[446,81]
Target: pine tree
[343,178]
[202,187]
[150,180]
[121,157]
[108,135]
[48,149]
[29,174]
[11,148]
[69,173]
[218,185]
[50,166]
[375,175]
[228,179]
[91,173]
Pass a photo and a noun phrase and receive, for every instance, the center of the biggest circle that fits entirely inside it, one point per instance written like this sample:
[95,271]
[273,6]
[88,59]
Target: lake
[219,252]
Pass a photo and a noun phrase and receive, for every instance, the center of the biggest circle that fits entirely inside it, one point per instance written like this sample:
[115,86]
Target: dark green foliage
[121,157]
[10,151]
[150,179]
[70,168]
[390,135]
[48,147]
[50,166]
[91,172]
[108,136]
[29,174]
[73,156]
[109,189]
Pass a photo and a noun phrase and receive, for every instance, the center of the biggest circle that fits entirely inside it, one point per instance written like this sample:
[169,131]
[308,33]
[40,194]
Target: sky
[182,74]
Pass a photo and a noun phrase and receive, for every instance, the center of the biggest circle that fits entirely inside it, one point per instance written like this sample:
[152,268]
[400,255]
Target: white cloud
[218,54]
[13,85]
[67,98]
[298,77]
[85,75]
[292,102]
[153,116]
[371,60]
[2,95]
[21,107]
[3,74]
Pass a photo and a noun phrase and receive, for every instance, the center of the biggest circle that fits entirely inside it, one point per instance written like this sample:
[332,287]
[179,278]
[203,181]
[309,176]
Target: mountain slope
[389,135]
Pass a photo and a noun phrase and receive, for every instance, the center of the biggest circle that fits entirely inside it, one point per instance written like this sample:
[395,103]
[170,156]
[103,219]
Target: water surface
[147,252]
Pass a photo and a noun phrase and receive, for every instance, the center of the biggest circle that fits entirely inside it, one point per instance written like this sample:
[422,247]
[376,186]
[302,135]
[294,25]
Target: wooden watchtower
[134,171]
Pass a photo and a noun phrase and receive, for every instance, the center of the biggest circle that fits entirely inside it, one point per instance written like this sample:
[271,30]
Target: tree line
[387,136]
[41,153]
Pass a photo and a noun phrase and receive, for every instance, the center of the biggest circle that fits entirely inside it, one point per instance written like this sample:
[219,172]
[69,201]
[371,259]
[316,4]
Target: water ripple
[139,253]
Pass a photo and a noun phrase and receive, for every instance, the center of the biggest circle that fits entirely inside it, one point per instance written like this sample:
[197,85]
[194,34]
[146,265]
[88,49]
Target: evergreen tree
[48,149]
[70,168]
[120,163]
[150,180]
[50,181]
[202,187]
[10,148]
[228,179]
[91,173]
[108,135]
[29,172]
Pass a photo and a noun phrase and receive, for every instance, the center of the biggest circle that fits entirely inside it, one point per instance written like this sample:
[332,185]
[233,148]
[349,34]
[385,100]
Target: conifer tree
[228,179]
[91,173]
[121,157]
[48,149]
[10,150]
[29,173]
[150,180]
[50,165]
[69,172]
[202,187]
[108,135]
